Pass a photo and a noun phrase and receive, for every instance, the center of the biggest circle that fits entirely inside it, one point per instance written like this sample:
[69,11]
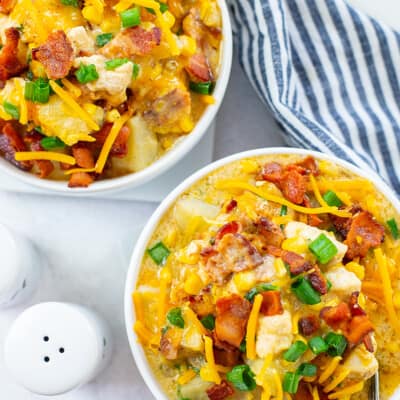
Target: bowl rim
[165,162]
[141,243]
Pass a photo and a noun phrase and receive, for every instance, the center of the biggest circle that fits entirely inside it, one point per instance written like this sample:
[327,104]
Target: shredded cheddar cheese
[330,369]
[260,378]
[44,155]
[73,89]
[337,380]
[316,191]
[315,394]
[189,313]
[162,300]
[186,377]
[348,390]
[209,372]
[138,303]
[278,386]
[251,328]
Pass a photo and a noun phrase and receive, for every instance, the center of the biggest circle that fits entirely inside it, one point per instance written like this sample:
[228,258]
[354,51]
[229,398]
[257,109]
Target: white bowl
[147,233]
[165,162]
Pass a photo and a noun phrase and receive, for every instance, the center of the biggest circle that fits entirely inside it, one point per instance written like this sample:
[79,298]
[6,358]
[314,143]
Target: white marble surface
[88,243]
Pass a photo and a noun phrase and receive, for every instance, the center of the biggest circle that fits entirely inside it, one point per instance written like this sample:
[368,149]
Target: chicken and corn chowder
[95,89]
[274,277]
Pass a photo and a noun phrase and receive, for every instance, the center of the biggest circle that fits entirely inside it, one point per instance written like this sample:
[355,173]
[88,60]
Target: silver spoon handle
[374,388]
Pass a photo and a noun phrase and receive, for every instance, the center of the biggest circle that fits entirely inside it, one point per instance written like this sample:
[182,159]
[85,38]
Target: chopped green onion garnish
[37,91]
[135,71]
[208,322]
[332,199]
[11,109]
[242,377]
[318,345]
[175,317]
[328,284]
[202,87]
[159,253]
[51,142]
[103,39]
[164,330]
[86,73]
[242,346]
[290,382]
[323,248]
[305,292]
[163,8]
[337,344]
[130,17]
[307,369]
[262,287]
[295,351]
[283,211]
[393,228]
[73,3]
[115,63]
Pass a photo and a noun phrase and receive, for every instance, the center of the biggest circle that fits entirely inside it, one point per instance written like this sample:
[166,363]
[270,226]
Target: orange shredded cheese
[138,303]
[251,328]
[144,335]
[186,377]
[348,390]
[209,372]
[260,378]
[339,378]
[278,386]
[44,155]
[316,191]
[73,89]
[162,301]
[330,369]
[315,393]
[73,170]
[189,313]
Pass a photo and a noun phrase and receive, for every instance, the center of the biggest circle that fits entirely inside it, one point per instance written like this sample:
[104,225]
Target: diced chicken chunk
[295,229]
[274,334]
[110,82]
[343,281]
[81,40]
[361,363]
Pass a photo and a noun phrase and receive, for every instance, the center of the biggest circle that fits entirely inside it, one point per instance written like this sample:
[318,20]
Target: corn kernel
[169,19]
[166,275]
[361,300]
[188,45]
[396,300]
[91,14]
[170,239]
[193,284]
[357,269]
[296,244]
[186,124]
[186,377]
[249,166]
[244,280]
[111,24]
[208,99]
[37,69]
[112,115]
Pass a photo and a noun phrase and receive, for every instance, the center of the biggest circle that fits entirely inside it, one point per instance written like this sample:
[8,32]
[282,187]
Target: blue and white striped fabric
[329,73]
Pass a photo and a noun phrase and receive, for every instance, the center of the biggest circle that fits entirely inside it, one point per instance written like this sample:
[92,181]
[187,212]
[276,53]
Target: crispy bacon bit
[224,353]
[230,227]
[365,233]
[358,328]
[232,314]
[296,262]
[318,281]
[45,167]
[169,344]
[342,225]
[56,55]
[294,186]
[355,308]
[309,325]
[234,254]
[83,155]
[202,305]
[6,6]
[80,179]
[10,64]
[369,345]
[310,165]
[120,145]
[271,172]
[11,142]
[312,219]
[271,304]
[336,317]
[231,206]
[271,233]
[134,41]
[199,69]
[221,391]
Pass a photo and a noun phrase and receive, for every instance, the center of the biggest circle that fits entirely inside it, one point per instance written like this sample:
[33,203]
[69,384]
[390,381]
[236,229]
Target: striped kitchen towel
[329,73]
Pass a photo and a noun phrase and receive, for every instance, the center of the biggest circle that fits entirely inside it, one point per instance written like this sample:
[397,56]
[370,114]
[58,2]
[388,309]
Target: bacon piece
[221,391]
[369,345]
[271,172]
[169,344]
[271,304]
[310,165]
[336,317]
[234,254]
[134,41]
[297,263]
[56,55]
[365,233]
[10,64]
[120,145]
[11,142]
[270,233]
[232,314]
[293,186]
[231,206]
[6,6]
[199,69]
[318,281]
[83,155]
[355,308]
[230,227]
[202,305]
[309,325]
[45,167]
[303,392]
[80,179]
[224,353]
[358,328]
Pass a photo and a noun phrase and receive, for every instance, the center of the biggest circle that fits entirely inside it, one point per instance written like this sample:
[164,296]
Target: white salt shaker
[20,268]
[53,348]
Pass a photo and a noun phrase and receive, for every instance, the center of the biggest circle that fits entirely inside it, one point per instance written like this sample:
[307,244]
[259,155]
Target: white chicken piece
[81,40]
[343,281]
[274,334]
[112,82]
[295,229]
[361,363]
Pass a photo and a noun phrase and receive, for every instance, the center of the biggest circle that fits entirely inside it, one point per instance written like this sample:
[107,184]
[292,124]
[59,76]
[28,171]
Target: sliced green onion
[394,230]
[164,330]
[163,8]
[115,63]
[307,369]
[175,317]
[208,322]
[290,382]
[51,142]
[332,199]
[305,292]
[202,87]
[11,109]
[337,344]
[318,345]
[37,91]
[159,253]
[130,17]
[328,284]
[242,346]
[262,287]
[103,39]
[73,3]
[295,351]
[283,211]
[323,248]
[242,377]
[39,129]
[86,73]
[136,70]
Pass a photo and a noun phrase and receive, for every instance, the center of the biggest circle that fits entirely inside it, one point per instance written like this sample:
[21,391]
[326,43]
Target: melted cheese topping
[251,328]
[209,372]
[44,155]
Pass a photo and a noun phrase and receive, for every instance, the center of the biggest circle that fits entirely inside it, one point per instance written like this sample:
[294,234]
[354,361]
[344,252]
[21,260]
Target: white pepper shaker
[53,347]
[20,268]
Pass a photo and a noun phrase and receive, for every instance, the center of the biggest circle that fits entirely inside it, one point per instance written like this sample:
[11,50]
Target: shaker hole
[46,338]
[46,359]
[61,349]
